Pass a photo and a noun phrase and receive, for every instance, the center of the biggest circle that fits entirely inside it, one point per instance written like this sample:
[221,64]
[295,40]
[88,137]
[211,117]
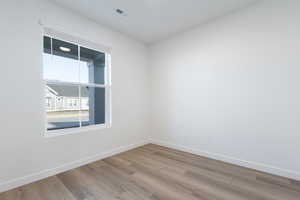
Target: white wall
[230,89]
[24,152]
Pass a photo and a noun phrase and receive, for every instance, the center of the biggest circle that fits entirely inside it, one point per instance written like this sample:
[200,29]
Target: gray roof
[69,91]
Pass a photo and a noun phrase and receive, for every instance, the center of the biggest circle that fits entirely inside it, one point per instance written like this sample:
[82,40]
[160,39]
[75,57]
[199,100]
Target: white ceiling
[152,20]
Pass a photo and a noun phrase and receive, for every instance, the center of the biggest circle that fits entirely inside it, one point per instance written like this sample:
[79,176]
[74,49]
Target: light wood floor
[158,173]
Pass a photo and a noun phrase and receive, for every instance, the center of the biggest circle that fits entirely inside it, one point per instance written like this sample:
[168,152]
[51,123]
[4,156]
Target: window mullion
[79,112]
[79,88]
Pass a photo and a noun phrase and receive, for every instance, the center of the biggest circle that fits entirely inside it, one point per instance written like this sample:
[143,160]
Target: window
[77,84]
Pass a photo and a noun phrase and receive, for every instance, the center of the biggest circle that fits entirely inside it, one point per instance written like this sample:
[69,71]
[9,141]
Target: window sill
[69,131]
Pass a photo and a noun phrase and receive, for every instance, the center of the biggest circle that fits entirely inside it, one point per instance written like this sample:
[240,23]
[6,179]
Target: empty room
[150,100]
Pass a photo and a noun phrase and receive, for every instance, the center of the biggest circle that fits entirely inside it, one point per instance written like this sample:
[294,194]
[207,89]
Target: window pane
[62,104]
[92,66]
[92,105]
[60,61]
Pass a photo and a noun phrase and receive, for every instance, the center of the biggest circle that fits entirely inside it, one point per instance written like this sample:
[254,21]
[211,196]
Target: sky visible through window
[64,69]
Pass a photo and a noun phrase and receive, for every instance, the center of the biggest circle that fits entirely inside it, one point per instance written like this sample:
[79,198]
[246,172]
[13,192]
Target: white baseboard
[253,165]
[51,172]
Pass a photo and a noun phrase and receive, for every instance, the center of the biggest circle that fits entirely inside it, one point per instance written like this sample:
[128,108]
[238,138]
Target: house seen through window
[76,85]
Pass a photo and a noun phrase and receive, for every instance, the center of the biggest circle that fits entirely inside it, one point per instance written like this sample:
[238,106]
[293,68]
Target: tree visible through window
[76,85]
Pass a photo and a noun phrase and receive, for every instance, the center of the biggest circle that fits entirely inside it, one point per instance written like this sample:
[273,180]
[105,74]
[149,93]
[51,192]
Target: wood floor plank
[122,179]
[153,172]
[47,189]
